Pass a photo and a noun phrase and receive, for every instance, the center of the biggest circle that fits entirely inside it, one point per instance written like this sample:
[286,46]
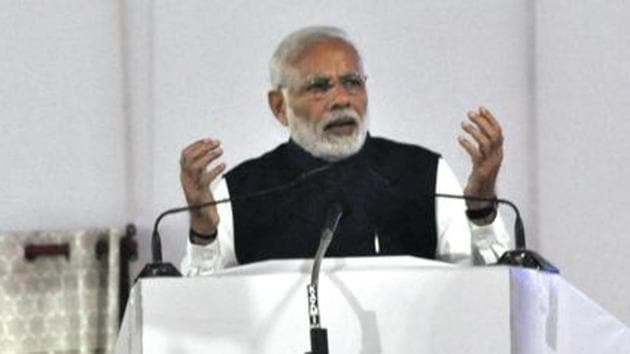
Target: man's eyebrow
[319,76]
[351,74]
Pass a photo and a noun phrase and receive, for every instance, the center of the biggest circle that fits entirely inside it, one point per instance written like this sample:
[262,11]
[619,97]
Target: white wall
[583,107]
[62,149]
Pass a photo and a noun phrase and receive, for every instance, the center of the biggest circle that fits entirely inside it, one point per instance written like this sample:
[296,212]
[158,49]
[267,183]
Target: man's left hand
[486,154]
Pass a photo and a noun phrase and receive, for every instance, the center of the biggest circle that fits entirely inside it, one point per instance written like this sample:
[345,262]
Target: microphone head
[341,205]
[335,209]
[334,213]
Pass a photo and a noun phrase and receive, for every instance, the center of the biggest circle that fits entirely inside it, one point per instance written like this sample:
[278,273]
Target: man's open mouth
[341,126]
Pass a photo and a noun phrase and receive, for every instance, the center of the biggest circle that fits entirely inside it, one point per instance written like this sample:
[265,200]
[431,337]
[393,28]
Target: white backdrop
[62,145]
[98,100]
[583,96]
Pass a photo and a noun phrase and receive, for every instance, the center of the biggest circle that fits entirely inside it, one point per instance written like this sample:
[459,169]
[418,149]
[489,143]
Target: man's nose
[339,97]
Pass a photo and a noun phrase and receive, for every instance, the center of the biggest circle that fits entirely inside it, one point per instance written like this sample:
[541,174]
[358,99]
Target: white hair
[294,44]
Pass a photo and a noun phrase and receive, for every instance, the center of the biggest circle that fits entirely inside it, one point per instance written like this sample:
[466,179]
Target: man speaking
[318,91]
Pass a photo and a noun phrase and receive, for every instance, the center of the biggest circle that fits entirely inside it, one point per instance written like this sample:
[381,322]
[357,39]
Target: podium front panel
[404,308]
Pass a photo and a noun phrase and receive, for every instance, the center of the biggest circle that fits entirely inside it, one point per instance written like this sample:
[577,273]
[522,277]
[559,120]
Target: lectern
[369,305]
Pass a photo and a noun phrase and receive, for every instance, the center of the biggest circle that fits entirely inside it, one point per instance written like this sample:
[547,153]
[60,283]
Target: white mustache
[341,117]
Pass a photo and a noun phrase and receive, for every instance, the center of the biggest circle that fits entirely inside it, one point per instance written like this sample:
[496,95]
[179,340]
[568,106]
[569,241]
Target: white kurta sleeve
[203,260]
[459,240]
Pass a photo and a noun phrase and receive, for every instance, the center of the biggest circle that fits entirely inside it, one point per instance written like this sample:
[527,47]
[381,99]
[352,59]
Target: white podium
[369,305]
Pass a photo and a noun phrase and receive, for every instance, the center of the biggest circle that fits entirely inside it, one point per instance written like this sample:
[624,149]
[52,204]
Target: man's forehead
[328,57]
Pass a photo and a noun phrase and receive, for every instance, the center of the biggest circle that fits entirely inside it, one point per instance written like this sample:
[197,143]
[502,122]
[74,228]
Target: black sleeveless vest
[386,186]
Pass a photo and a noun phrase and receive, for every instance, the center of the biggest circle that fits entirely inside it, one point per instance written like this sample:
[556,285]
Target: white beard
[312,137]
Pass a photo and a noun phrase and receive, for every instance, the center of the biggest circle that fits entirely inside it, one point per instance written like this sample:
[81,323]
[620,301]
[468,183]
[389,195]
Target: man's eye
[318,86]
[352,82]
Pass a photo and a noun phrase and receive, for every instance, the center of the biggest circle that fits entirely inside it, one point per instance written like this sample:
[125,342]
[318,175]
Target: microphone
[319,335]
[521,256]
[158,268]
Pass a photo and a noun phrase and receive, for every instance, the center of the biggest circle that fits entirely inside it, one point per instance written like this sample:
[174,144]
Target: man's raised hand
[196,175]
[486,154]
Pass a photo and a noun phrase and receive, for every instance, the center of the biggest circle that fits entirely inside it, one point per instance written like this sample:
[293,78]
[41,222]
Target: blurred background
[98,98]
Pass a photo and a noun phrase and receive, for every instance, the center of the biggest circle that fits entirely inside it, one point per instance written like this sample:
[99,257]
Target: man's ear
[277,106]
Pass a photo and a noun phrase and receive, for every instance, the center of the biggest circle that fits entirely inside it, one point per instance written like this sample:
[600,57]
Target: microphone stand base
[527,259]
[319,341]
[159,269]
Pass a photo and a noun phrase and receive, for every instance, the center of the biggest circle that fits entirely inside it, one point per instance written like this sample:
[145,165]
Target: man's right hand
[196,178]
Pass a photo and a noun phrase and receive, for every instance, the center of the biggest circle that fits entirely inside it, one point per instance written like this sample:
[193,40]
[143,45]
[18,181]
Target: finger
[486,113]
[492,127]
[198,150]
[482,140]
[197,144]
[205,160]
[472,150]
[482,124]
[209,176]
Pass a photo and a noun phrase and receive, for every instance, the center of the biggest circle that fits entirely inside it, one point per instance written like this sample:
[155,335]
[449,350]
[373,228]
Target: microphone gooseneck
[333,216]
[520,256]
[519,230]
[319,335]
[159,268]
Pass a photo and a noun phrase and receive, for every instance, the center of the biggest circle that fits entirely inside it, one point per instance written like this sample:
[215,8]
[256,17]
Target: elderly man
[319,93]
